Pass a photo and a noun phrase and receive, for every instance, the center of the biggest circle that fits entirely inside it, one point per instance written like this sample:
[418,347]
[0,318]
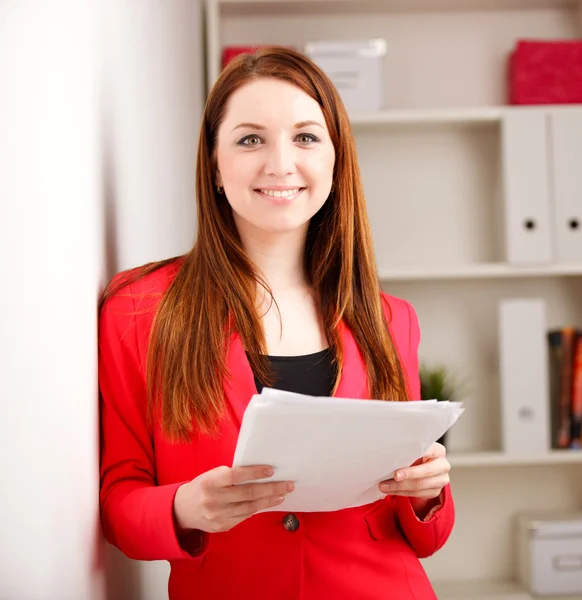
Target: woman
[280,289]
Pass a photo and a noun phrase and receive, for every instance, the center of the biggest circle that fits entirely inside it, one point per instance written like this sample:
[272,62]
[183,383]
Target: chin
[281,227]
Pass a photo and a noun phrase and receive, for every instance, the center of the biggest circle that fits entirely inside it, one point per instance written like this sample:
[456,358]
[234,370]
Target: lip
[279,188]
[281,201]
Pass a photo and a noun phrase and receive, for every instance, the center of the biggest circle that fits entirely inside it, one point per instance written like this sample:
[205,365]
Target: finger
[254,491]
[224,476]
[436,450]
[225,516]
[429,469]
[246,509]
[414,486]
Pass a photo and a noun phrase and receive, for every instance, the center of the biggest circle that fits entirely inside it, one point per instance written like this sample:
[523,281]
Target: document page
[337,450]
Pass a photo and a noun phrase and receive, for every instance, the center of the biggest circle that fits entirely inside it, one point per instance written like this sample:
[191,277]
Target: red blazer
[365,553]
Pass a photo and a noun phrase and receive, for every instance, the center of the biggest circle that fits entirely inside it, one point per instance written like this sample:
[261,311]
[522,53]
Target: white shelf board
[459,116]
[477,271]
[483,590]
[500,459]
[249,7]
[447,116]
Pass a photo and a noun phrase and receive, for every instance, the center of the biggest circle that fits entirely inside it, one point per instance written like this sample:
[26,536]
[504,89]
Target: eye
[250,140]
[306,138]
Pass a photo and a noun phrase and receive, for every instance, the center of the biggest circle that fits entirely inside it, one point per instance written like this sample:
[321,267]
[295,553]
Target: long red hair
[214,291]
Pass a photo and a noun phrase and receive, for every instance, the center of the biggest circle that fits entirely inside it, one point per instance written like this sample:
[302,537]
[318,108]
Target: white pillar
[50,267]
[80,163]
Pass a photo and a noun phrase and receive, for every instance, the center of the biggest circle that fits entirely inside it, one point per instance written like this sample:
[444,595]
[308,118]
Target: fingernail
[289,486]
[399,476]
[385,487]
[279,499]
[269,472]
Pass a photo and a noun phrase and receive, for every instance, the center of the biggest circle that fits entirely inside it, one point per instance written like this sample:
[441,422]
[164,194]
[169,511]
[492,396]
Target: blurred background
[467,116]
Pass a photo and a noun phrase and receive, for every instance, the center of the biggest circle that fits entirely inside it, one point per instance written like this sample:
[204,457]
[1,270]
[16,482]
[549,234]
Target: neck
[278,256]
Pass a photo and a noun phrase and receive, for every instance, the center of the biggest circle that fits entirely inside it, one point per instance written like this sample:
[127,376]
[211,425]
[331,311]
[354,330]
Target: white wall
[153,98]
[93,179]
[50,262]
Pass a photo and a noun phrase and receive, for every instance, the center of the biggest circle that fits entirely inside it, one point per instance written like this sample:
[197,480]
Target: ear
[218,178]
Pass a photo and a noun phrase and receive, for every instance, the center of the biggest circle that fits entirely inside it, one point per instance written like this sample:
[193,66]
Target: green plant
[436,383]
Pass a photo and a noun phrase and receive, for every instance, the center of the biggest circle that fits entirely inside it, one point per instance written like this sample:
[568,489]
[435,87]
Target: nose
[280,159]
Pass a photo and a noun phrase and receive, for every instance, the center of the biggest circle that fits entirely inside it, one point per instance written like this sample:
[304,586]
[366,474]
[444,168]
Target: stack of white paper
[337,450]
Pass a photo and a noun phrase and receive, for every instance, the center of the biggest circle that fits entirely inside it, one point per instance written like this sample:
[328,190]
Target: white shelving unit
[430,162]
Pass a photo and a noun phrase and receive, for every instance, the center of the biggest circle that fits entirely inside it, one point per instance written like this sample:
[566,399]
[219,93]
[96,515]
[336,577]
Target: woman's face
[274,157]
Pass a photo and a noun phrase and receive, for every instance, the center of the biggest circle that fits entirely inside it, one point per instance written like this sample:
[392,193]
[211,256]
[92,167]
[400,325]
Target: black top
[312,374]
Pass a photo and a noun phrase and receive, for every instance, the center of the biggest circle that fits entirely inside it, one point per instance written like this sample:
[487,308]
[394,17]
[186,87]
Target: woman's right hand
[220,499]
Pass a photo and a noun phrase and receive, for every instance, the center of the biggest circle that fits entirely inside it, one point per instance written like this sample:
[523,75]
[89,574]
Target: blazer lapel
[354,379]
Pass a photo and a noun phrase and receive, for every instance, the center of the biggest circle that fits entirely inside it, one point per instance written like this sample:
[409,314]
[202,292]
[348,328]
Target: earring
[219,189]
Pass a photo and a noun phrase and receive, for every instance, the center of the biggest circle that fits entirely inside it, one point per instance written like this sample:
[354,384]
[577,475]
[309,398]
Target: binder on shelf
[527,211]
[566,176]
[524,379]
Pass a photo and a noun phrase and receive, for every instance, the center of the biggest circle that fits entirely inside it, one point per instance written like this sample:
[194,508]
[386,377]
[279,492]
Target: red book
[568,342]
[546,72]
[576,441]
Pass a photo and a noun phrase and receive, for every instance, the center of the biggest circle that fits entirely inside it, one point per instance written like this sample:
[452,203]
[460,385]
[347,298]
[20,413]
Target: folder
[524,376]
[566,175]
[527,211]
[337,450]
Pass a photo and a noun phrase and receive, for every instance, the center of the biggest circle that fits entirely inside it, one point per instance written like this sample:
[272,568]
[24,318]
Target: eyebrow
[258,127]
[303,124]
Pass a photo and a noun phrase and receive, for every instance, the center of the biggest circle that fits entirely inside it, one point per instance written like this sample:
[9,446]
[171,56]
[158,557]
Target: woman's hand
[425,479]
[215,501]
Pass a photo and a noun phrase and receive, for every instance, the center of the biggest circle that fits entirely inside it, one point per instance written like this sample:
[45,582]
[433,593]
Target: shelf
[250,7]
[450,117]
[478,271]
[500,459]
[461,117]
[481,590]
[434,151]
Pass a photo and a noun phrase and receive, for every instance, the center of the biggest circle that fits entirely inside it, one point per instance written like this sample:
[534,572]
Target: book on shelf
[565,350]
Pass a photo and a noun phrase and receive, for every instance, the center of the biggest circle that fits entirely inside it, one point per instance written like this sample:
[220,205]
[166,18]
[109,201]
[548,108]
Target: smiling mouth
[280,194]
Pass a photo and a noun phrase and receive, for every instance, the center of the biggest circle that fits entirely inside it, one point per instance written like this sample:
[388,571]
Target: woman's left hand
[425,479]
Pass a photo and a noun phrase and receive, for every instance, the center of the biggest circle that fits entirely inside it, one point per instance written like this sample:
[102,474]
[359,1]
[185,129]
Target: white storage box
[355,68]
[550,553]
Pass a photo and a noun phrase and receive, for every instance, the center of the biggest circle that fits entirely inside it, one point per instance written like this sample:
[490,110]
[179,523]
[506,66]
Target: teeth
[280,193]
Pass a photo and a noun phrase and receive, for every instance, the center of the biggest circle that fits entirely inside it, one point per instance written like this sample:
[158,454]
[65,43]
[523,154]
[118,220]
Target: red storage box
[230,52]
[546,72]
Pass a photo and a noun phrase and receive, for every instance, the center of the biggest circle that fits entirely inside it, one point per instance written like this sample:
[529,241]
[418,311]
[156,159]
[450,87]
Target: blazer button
[291,522]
